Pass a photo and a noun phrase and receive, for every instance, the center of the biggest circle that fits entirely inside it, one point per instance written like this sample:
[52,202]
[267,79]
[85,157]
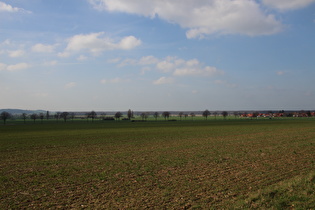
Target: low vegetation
[158,164]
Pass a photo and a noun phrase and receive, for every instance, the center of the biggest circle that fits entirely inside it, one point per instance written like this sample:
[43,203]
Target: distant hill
[20,111]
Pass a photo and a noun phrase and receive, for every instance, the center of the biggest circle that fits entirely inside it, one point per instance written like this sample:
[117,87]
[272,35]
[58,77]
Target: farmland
[164,164]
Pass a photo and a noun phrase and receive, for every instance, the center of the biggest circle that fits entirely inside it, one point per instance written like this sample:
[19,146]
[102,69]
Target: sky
[157,55]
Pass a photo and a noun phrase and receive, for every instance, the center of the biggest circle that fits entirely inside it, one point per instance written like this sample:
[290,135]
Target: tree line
[66,116]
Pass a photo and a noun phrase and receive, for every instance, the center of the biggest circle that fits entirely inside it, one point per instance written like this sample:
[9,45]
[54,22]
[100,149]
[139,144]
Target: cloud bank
[201,17]
[288,4]
[172,66]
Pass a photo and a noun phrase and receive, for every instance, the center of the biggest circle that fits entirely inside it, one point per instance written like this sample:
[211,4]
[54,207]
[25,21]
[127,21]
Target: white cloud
[174,65]
[163,80]
[198,71]
[128,43]
[195,68]
[147,60]
[8,8]
[128,62]
[288,4]
[70,85]
[16,67]
[165,66]
[16,53]
[201,17]
[41,48]
[96,43]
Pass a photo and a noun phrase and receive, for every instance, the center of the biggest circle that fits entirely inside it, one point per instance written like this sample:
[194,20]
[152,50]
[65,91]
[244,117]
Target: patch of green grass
[296,193]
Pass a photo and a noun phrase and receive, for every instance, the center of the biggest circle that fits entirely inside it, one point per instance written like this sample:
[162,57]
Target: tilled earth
[170,171]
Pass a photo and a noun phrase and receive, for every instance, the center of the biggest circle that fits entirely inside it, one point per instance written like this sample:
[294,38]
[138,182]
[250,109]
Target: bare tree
[180,115]
[118,115]
[34,116]
[156,115]
[185,115]
[41,117]
[4,116]
[206,113]
[192,115]
[93,115]
[144,115]
[129,114]
[88,115]
[166,115]
[224,114]
[64,115]
[215,115]
[57,116]
[47,115]
[72,115]
[24,116]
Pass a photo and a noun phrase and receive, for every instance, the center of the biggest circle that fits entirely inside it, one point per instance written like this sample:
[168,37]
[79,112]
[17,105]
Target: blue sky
[108,55]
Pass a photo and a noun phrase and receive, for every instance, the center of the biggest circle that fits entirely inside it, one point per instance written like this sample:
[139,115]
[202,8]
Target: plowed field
[172,165]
